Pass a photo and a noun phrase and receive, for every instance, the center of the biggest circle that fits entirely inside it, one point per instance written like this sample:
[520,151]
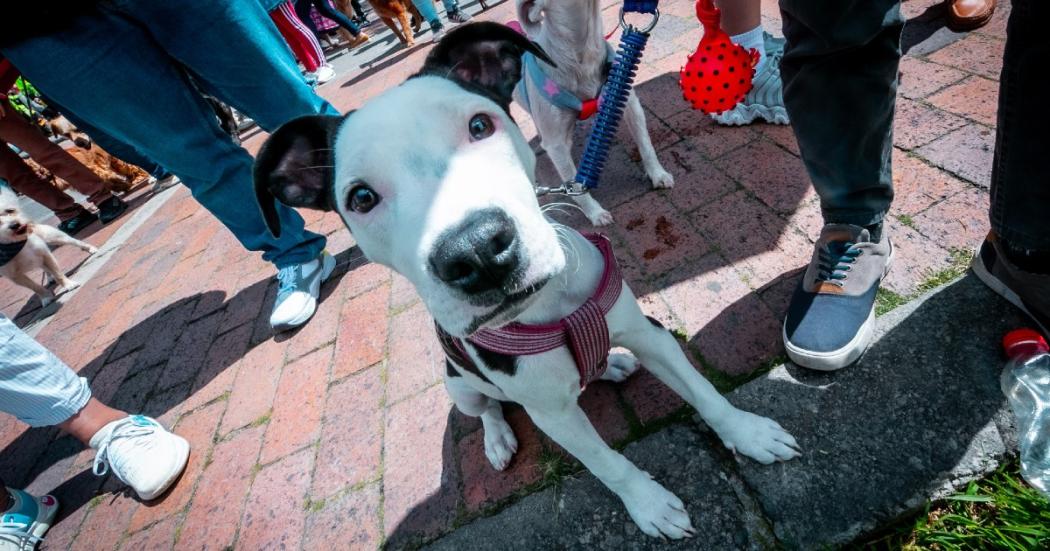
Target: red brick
[959,222]
[416,360]
[402,293]
[351,443]
[708,138]
[919,78]
[742,337]
[976,53]
[220,367]
[215,511]
[966,152]
[702,290]
[274,515]
[917,185]
[782,135]
[808,219]
[915,258]
[199,429]
[190,352]
[297,408]
[418,482]
[657,235]
[104,385]
[363,325]
[483,485]
[321,329]
[104,526]
[649,398]
[364,275]
[244,306]
[602,405]
[348,522]
[916,124]
[697,180]
[254,386]
[975,98]
[775,176]
[158,537]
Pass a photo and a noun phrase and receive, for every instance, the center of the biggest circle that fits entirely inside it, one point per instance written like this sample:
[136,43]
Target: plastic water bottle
[1026,383]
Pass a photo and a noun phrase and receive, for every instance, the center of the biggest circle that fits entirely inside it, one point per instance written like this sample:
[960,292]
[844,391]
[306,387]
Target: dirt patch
[665,232]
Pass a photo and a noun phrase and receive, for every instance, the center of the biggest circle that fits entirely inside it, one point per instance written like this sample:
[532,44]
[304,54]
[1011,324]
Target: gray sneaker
[458,16]
[1026,290]
[299,288]
[766,98]
[831,317]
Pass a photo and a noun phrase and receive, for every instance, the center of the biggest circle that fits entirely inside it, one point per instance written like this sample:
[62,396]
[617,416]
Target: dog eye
[9,211]
[481,126]
[363,199]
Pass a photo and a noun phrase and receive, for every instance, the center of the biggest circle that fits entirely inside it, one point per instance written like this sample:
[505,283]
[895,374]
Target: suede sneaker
[1026,290]
[22,526]
[299,288]
[766,99]
[141,454]
[111,209]
[74,225]
[831,317]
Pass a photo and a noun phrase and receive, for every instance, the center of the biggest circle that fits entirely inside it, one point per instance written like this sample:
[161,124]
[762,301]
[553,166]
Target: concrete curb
[919,416]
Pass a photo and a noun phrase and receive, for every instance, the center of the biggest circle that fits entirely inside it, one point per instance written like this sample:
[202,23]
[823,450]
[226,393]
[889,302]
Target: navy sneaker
[831,317]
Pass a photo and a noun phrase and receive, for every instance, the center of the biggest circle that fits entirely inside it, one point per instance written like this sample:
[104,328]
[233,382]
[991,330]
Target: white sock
[753,39]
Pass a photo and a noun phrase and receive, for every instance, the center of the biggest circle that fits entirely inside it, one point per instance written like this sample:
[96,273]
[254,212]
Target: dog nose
[479,254]
[14,225]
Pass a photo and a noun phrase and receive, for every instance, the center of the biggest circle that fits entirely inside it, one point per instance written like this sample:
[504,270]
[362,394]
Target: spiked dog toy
[718,74]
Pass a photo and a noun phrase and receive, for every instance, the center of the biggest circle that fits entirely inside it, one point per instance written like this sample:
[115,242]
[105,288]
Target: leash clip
[568,188]
[647,28]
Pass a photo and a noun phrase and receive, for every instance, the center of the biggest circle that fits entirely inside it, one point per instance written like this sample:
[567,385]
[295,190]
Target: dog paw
[621,366]
[92,250]
[67,286]
[658,512]
[600,218]
[661,179]
[500,444]
[46,301]
[759,438]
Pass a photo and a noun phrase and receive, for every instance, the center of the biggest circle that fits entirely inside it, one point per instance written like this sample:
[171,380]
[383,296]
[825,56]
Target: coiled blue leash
[613,101]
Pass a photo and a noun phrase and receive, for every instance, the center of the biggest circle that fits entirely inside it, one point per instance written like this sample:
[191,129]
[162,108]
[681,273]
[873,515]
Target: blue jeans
[122,68]
[427,10]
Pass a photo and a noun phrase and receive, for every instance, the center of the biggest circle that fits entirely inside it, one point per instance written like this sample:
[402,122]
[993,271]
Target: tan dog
[118,175]
[25,247]
[388,11]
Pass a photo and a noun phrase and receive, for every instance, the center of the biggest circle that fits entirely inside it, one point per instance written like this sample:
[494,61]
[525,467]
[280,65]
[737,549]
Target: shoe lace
[835,261]
[130,432]
[288,279]
[18,533]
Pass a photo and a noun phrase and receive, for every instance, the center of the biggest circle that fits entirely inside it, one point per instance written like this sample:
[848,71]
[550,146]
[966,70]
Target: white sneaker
[164,183]
[766,98]
[437,31]
[300,285]
[141,453]
[23,525]
[324,73]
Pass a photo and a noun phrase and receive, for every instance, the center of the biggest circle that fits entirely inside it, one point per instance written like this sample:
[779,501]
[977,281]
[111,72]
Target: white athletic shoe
[437,31]
[141,453]
[324,73]
[23,525]
[300,285]
[766,98]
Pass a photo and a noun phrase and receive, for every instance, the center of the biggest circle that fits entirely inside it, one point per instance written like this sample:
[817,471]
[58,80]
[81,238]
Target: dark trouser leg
[325,9]
[840,83]
[358,10]
[1020,211]
[25,181]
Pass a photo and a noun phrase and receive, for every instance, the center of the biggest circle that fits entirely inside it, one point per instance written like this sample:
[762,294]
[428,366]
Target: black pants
[840,82]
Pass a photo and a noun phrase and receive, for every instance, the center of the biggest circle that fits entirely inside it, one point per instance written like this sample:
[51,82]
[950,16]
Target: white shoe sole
[746,114]
[327,267]
[182,452]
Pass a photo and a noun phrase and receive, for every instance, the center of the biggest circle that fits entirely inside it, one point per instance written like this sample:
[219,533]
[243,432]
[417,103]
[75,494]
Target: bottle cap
[1026,336]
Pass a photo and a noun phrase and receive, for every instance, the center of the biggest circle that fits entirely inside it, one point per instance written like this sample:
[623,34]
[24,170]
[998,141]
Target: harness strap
[555,93]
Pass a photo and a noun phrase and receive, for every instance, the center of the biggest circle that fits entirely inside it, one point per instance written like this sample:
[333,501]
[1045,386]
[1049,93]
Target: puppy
[401,10]
[117,175]
[445,196]
[570,31]
[25,248]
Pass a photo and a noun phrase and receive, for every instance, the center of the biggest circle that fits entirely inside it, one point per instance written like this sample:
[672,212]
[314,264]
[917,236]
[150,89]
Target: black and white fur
[453,210]
[570,31]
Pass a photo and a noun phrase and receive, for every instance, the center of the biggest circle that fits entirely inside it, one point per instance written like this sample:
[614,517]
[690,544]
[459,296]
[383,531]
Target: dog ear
[295,166]
[484,54]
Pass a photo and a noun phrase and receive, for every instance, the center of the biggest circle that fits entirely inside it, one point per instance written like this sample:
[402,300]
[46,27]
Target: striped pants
[35,386]
[298,36]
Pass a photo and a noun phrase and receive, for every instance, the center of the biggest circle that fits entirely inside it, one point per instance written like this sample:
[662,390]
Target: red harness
[584,331]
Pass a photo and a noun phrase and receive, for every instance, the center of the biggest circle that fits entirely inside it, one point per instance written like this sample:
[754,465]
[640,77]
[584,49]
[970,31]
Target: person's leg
[742,20]
[307,36]
[359,10]
[326,9]
[1015,258]
[453,13]
[292,31]
[429,12]
[840,81]
[302,11]
[23,180]
[108,70]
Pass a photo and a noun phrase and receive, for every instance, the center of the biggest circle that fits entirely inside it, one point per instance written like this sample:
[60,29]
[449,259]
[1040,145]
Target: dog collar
[555,93]
[8,251]
[584,331]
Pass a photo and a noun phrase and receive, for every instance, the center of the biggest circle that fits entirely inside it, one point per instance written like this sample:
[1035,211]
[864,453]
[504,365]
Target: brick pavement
[340,435]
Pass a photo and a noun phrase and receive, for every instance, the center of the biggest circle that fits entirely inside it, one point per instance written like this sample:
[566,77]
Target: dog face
[434,180]
[14,227]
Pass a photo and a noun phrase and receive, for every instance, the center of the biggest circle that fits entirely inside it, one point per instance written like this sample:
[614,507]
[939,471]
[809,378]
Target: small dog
[117,175]
[570,31]
[25,248]
[445,196]
[401,10]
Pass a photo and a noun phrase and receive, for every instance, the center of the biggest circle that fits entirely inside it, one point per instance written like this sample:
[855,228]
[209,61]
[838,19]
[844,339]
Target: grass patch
[887,300]
[906,220]
[262,420]
[958,263]
[553,468]
[312,505]
[1000,511]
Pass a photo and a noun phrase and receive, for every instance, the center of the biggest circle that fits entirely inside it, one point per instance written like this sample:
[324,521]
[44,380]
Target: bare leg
[90,420]
[740,16]
[635,120]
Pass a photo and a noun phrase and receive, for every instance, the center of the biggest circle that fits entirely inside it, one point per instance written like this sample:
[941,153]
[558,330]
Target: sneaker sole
[746,114]
[1001,289]
[182,451]
[306,313]
[845,356]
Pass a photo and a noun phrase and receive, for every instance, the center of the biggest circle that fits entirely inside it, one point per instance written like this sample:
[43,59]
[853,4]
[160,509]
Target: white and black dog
[457,215]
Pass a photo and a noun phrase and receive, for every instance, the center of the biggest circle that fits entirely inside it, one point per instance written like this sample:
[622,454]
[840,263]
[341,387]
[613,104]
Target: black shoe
[78,222]
[110,209]
[1026,290]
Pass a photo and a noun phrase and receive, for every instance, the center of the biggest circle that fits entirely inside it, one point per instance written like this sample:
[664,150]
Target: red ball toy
[718,74]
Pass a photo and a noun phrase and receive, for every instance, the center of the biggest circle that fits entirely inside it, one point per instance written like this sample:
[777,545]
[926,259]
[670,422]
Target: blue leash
[613,101]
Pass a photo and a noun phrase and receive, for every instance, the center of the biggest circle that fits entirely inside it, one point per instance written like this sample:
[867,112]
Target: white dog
[570,32]
[442,191]
[25,247]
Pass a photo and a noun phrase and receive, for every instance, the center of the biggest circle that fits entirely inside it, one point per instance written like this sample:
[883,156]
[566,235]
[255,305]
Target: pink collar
[584,331]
